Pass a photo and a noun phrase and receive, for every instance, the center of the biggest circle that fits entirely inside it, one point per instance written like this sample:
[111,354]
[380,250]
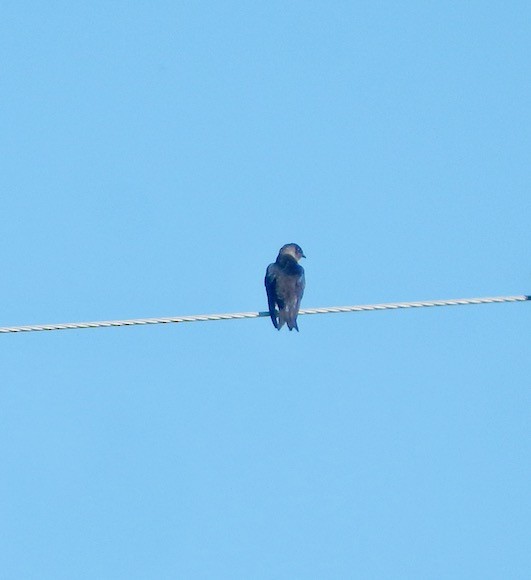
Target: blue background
[154,157]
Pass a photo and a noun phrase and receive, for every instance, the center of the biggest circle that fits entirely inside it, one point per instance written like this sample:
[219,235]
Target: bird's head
[293,250]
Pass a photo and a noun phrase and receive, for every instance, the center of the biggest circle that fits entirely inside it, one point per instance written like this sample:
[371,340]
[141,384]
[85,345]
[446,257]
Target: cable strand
[241,315]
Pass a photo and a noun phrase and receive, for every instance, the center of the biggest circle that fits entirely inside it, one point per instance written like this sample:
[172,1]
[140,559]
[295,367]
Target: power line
[239,315]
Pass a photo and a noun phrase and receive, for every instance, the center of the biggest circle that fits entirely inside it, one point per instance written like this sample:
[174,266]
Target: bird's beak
[303,256]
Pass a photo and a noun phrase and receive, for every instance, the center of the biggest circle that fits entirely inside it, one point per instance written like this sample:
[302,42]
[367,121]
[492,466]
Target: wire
[239,315]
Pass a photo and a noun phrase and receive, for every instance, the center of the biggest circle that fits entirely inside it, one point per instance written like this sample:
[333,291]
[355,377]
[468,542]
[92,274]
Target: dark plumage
[284,282]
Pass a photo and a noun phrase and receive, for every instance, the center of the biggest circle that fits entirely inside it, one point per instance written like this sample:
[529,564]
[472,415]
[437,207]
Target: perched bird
[284,282]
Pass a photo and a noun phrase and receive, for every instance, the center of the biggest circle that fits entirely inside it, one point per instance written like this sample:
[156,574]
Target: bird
[284,282]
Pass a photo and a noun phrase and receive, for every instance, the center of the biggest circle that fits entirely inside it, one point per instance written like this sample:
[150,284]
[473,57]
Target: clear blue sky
[154,157]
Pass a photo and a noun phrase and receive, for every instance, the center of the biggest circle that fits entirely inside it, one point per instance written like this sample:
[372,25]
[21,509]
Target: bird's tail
[288,316]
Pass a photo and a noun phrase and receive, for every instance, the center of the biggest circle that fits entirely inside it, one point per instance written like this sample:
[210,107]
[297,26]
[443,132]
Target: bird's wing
[291,319]
[270,282]
[300,285]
